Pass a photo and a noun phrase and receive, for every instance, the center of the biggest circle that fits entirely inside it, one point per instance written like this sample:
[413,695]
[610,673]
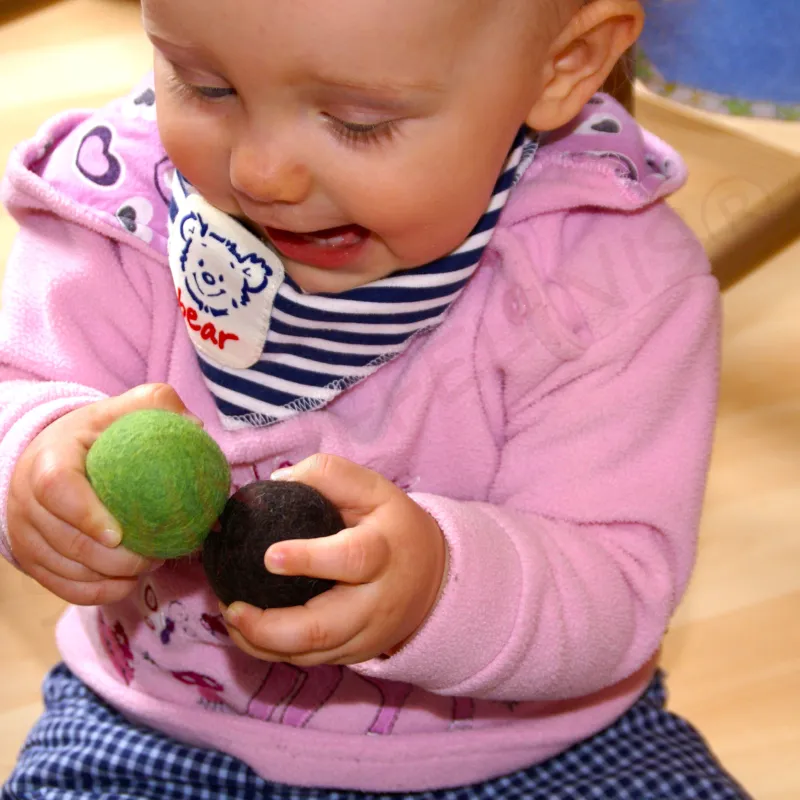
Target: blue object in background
[749,49]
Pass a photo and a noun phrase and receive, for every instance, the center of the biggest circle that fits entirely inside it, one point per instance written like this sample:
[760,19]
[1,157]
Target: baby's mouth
[342,236]
[329,248]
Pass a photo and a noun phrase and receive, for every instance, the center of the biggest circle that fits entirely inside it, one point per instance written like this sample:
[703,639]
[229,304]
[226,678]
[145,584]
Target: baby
[405,253]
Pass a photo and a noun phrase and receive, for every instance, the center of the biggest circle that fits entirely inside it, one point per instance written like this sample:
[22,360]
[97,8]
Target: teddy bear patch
[226,280]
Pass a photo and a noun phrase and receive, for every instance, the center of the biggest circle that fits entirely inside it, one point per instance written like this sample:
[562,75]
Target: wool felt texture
[162,477]
[256,517]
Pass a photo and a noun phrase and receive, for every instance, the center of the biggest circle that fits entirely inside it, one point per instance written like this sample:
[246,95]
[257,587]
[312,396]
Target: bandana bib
[267,350]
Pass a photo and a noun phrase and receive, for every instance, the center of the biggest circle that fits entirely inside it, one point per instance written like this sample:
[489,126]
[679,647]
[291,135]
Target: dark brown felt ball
[254,518]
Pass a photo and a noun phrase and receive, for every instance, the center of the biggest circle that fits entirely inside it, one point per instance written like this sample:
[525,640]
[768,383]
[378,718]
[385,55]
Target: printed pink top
[557,425]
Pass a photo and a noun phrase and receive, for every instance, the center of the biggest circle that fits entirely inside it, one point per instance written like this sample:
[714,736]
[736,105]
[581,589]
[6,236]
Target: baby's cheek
[199,153]
[426,218]
[424,239]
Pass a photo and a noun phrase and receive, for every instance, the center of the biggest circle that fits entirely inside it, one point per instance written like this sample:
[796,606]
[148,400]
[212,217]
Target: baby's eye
[362,133]
[194,91]
[212,92]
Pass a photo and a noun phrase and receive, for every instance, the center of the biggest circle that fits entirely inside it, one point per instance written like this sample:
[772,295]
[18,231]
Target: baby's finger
[75,546]
[57,474]
[354,555]
[257,652]
[98,416]
[304,660]
[342,656]
[324,625]
[60,487]
[68,570]
[79,593]
[32,548]
[355,490]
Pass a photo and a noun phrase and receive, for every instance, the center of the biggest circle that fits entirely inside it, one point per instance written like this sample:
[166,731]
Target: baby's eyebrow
[179,49]
[389,96]
[160,41]
[387,88]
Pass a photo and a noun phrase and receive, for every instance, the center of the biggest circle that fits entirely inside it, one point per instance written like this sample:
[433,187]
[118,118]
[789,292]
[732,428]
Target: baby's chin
[377,262]
[315,280]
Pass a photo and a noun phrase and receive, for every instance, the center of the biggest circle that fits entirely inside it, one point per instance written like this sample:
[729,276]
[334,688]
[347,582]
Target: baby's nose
[267,174]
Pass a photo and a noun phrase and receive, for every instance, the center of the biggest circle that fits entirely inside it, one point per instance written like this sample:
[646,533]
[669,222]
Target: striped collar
[268,351]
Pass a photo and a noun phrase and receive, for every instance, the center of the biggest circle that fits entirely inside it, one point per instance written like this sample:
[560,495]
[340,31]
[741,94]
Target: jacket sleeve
[563,583]
[75,327]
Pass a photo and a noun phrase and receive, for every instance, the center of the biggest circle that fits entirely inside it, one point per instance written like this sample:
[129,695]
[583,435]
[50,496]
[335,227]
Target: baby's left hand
[389,563]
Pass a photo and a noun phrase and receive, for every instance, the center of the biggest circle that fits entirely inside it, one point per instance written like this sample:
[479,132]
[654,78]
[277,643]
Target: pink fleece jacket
[557,425]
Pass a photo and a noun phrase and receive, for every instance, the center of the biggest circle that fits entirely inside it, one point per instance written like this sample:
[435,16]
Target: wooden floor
[734,649]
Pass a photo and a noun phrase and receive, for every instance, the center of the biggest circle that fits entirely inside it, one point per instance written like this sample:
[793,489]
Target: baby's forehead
[546,18]
[412,39]
[261,11]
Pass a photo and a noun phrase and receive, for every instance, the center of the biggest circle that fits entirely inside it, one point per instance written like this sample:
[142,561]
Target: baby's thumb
[147,396]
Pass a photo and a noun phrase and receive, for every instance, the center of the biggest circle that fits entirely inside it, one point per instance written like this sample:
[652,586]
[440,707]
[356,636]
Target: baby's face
[359,136]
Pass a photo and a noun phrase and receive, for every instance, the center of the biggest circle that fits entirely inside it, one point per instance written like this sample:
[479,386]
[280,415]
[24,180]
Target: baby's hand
[389,563]
[59,532]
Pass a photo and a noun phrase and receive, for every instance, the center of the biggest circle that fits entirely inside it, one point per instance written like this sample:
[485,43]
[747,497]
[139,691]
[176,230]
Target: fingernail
[234,613]
[275,561]
[111,537]
[284,474]
[193,418]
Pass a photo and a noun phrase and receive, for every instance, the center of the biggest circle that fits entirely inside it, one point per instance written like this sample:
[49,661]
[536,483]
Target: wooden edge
[15,9]
[767,227]
[760,234]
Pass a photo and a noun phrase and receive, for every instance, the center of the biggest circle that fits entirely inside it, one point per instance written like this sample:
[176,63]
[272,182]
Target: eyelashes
[190,91]
[213,92]
[352,134]
[358,134]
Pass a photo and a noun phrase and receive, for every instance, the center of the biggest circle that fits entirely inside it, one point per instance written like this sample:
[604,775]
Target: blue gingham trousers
[82,749]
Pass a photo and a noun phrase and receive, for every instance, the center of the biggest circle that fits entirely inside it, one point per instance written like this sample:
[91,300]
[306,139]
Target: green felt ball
[163,478]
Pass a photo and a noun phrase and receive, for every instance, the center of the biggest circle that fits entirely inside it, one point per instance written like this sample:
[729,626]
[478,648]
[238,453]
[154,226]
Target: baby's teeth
[331,241]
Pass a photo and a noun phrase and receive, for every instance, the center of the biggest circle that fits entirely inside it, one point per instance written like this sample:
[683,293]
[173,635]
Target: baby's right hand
[59,532]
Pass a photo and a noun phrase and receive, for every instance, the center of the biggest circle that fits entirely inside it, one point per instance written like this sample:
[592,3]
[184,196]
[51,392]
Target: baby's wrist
[439,585]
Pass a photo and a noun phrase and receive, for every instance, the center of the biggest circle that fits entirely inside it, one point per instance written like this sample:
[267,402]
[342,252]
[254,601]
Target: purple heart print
[95,160]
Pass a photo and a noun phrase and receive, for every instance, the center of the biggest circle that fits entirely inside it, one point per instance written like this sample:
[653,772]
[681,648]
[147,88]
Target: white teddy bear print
[226,280]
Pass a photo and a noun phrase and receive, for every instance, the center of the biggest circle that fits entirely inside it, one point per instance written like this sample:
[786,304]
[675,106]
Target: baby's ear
[582,57]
